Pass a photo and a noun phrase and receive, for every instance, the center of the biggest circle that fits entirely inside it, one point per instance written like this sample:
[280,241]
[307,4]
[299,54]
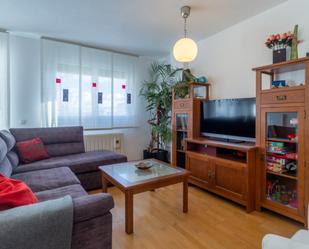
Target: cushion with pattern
[31,150]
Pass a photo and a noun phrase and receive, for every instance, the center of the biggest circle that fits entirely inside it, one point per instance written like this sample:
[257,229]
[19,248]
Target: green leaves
[158,94]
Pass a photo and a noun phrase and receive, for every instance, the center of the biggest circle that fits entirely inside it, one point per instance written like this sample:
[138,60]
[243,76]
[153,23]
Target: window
[86,86]
[4,92]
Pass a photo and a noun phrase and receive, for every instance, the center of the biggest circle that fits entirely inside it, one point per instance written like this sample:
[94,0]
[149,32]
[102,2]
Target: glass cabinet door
[283,164]
[182,131]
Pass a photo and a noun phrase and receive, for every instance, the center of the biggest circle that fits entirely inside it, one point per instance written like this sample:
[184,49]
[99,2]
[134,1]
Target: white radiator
[113,142]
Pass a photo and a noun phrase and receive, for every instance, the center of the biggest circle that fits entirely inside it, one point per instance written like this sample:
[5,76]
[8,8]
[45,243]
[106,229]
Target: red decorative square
[94,84]
[123,86]
[31,150]
[58,80]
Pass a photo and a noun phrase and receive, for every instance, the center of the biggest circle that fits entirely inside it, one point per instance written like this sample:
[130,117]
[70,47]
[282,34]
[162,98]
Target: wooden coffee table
[131,180]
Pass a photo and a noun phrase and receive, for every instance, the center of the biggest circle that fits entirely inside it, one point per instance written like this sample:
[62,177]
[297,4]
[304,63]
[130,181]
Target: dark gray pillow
[8,138]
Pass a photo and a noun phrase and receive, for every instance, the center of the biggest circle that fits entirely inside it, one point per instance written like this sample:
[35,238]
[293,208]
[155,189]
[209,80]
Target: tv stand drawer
[182,105]
[281,97]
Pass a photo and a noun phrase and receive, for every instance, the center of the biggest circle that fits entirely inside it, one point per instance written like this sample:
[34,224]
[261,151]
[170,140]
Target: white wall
[228,57]
[25,99]
[25,86]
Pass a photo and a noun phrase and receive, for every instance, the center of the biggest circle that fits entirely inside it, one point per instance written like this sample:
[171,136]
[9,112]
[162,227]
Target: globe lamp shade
[185,50]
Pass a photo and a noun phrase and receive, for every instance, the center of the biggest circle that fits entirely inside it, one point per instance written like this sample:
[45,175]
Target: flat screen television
[230,119]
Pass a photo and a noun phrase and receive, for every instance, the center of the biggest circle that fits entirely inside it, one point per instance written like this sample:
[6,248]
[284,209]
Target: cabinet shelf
[281,204]
[282,140]
[181,130]
[290,176]
[280,89]
[286,66]
[280,155]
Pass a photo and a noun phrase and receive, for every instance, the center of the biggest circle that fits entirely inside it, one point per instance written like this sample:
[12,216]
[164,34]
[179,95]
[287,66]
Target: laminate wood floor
[211,223]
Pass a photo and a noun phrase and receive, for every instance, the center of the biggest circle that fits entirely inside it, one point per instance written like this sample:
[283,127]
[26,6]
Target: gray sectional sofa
[69,171]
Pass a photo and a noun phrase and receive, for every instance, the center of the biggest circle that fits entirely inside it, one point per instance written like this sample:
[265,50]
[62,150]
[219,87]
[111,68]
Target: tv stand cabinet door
[200,168]
[230,179]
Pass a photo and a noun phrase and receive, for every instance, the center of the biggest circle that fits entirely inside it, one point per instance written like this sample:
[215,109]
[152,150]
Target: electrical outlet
[117,144]
[23,122]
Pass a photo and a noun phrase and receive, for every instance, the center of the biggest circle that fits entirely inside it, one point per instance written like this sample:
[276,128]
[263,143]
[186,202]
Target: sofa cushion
[8,139]
[78,163]
[50,163]
[31,150]
[13,158]
[3,149]
[6,167]
[41,180]
[91,206]
[59,141]
[89,161]
[74,191]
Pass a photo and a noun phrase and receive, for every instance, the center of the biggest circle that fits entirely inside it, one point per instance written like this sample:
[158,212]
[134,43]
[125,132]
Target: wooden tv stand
[227,169]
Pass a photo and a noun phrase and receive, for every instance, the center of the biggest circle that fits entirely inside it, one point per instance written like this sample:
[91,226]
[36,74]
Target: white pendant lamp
[185,49]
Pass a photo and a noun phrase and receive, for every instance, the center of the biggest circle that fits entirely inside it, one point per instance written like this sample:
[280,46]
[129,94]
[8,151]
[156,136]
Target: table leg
[129,211]
[104,184]
[185,196]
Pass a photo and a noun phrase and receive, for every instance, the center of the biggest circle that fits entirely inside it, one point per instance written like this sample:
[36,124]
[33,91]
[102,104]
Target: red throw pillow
[31,150]
[14,193]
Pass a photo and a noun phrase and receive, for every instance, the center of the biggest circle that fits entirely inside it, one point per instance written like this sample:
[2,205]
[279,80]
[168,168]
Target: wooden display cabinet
[282,133]
[184,111]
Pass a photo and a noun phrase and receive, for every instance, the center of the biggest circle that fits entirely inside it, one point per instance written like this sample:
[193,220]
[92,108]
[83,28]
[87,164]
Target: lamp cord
[185,27]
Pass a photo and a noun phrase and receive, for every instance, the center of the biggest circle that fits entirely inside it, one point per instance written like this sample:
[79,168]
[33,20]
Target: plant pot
[158,154]
[147,154]
[279,55]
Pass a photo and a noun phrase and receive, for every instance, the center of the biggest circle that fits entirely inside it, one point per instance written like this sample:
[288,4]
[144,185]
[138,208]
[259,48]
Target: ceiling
[142,27]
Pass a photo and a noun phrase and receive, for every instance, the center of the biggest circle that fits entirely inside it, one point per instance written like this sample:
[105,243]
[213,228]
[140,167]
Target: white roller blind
[89,87]
[96,88]
[4,92]
[61,84]
[125,90]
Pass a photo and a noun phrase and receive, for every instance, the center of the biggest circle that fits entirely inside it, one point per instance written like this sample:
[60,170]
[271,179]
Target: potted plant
[279,44]
[158,93]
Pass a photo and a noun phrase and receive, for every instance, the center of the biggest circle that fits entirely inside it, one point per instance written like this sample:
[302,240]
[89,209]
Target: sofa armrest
[271,241]
[92,206]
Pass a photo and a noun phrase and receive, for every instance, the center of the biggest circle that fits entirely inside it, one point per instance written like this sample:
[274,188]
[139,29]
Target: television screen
[229,119]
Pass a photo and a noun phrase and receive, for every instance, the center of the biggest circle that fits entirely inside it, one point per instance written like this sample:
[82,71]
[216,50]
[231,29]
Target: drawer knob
[281,97]
[182,104]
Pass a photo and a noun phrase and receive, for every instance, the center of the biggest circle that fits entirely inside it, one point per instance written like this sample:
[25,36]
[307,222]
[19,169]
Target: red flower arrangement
[278,41]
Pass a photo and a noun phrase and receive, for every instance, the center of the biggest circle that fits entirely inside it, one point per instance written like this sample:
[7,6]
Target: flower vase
[279,55]
[294,48]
